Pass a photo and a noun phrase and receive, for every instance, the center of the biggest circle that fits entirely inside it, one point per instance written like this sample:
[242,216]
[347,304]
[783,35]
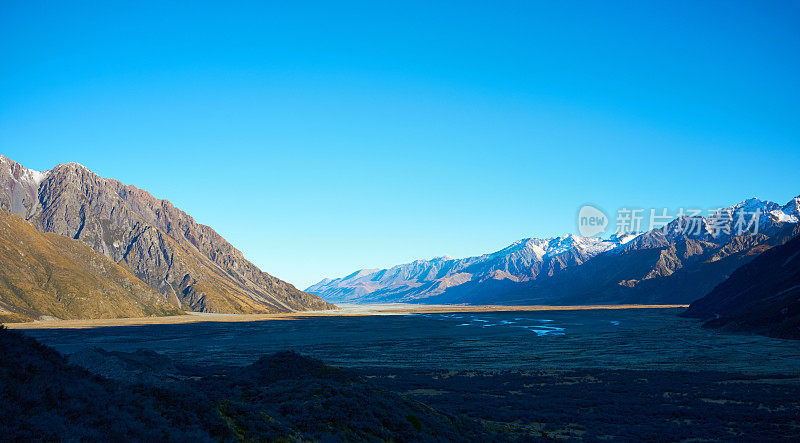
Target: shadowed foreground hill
[45,274]
[762,296]
[283,396]
[42,397]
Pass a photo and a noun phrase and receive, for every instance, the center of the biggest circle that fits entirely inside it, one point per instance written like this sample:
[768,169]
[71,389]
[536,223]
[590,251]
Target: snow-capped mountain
[789,213]
[513,274]
[521,261]
[21,185]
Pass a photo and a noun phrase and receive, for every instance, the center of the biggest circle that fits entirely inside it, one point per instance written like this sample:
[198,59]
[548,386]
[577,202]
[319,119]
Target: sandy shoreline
[346,311]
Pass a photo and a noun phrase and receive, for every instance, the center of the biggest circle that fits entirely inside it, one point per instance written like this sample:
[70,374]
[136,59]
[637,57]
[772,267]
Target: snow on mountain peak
[37,177]
[22,173]
[621,238]
[789,213]
[793,206]
[754,204]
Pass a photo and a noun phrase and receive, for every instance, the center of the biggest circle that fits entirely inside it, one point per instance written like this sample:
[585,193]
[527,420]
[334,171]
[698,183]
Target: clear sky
[320,138]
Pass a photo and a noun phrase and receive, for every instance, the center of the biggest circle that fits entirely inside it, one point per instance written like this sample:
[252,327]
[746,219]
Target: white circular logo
[591,221]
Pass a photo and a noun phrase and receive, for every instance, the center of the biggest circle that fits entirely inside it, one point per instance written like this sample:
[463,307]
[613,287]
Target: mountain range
[77,245]
[188,265]
[666,265]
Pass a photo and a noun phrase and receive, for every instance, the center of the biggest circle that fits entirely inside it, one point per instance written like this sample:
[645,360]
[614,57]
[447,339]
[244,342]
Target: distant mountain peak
[622,238]
[73,165]
[788,213]
[20,172]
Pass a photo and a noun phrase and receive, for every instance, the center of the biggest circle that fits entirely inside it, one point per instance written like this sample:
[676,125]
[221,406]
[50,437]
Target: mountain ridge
[186,262]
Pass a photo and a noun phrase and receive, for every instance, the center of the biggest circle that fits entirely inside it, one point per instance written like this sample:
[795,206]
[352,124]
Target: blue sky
[320,138]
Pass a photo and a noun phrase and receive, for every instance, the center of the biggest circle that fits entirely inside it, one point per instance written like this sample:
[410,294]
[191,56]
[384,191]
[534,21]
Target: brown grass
[47,275]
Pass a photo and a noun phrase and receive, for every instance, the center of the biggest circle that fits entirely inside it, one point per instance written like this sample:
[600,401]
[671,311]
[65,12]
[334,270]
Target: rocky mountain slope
[45,274]
[762,296]
[189,264]
[670,265]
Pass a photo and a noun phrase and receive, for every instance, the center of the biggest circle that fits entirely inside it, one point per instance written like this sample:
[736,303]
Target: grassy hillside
[48,275]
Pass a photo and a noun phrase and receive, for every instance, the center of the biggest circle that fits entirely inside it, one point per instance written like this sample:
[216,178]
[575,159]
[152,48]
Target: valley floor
[592,374]
[609,404]
[345,311]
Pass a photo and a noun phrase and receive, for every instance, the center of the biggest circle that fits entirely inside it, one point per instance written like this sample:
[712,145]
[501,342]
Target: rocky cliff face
[189,264]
